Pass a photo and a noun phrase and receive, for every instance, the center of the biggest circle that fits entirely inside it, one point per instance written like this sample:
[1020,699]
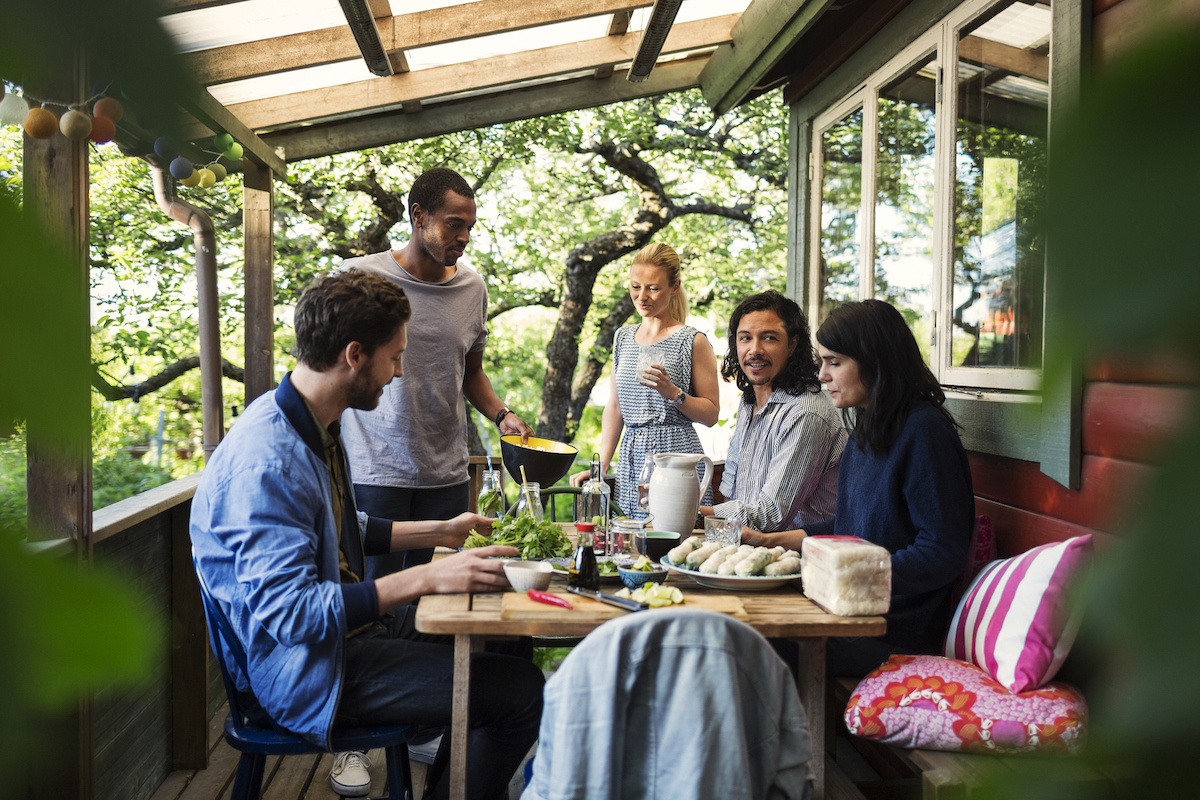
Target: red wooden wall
[1129,410]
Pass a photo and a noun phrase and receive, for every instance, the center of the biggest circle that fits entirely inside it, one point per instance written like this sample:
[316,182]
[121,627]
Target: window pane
[904,198]
[841,200]
[1000,164]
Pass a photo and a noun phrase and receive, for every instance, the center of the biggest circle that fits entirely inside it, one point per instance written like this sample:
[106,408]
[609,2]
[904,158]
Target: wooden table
[782,613]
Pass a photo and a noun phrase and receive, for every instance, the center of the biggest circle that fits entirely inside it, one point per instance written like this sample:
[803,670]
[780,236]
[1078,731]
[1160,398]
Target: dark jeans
[390,502]
[396,675]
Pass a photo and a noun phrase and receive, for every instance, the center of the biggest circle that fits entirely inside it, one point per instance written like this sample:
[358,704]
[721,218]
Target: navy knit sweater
[916,501]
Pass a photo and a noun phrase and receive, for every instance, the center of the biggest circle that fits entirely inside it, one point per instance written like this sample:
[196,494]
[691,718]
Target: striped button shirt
[782,467]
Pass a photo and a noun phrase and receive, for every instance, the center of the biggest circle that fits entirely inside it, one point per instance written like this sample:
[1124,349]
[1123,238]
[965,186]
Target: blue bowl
[635,578]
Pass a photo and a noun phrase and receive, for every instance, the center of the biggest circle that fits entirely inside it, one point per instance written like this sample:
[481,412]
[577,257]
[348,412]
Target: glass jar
[622,535]
[491,498]
[529,502]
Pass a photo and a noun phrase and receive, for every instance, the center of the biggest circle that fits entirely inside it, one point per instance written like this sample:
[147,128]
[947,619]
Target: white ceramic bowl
[526,575]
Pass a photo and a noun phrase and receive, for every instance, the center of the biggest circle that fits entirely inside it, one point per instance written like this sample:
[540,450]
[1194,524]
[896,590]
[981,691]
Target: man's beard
[362,394]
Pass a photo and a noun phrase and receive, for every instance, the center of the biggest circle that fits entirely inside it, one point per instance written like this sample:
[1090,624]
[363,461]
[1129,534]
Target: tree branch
[136,391]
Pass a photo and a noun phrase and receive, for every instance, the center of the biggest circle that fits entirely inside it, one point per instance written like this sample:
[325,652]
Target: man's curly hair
[800,372]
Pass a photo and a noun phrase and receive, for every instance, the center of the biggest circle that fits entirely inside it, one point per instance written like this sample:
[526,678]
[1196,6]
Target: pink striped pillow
[1014,621]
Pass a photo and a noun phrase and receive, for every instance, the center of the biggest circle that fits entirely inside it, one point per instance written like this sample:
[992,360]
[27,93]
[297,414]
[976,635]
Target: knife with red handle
[548,599]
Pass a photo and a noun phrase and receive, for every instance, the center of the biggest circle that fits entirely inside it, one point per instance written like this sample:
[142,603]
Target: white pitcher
[675,490]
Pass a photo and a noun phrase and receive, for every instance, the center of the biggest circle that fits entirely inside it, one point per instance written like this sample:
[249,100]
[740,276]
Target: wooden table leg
[464,646]
[810,681]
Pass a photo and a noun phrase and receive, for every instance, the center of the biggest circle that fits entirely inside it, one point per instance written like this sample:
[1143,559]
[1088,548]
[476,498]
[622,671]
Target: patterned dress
[651,424]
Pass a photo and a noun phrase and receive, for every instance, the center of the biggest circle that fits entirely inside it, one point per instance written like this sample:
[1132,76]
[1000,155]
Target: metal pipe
[205,238]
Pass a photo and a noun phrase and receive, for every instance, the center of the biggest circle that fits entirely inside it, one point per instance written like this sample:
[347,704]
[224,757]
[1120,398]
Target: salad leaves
[534,539]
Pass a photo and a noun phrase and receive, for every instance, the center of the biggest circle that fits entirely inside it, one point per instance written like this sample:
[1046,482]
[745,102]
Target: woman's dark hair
[345,307]
[799,374]
[429,189]
[875,335]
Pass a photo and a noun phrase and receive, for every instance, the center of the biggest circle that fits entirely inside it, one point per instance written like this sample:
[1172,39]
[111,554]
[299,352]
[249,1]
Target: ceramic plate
[734,583]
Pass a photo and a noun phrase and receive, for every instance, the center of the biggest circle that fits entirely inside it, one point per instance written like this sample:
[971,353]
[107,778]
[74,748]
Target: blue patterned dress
[651,424]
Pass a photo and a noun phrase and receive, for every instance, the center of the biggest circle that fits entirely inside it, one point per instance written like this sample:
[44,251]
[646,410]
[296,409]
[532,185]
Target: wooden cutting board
[519,606]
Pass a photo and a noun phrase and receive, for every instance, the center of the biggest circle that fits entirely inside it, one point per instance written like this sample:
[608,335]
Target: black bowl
[659,543]
[545,466]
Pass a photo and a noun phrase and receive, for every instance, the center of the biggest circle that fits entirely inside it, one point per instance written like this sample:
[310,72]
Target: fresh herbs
[607,568]
[534,539]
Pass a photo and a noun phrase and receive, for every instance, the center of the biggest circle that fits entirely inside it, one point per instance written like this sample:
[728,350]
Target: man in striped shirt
[781,470]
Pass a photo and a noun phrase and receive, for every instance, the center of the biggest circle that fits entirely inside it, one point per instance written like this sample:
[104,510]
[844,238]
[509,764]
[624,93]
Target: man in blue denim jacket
[279,542]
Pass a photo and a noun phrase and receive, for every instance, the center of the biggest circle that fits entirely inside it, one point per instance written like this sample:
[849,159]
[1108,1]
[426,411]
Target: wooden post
[59,465]
[189,652]
[258,207]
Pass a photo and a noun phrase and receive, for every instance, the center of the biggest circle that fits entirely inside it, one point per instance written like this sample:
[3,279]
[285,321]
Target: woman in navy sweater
[904,481]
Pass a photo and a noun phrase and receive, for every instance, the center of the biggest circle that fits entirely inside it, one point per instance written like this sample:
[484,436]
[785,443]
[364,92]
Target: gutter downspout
[204,236]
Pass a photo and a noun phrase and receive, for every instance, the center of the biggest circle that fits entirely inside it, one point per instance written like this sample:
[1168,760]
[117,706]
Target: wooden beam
[180,6]
[765,33]
[1014,60]
[205,108]
[403,32]
[258,204]
[617,26]
[59,451]
[385,93]
[359,134]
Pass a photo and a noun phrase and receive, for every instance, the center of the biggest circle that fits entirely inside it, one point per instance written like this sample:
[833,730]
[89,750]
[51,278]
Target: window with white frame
[929,188]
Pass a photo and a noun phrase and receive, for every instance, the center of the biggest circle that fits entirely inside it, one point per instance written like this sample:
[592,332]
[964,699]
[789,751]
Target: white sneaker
[425,751]
[349,776]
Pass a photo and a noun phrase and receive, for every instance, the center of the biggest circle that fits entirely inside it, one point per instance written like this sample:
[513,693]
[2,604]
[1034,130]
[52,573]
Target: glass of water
[723,531]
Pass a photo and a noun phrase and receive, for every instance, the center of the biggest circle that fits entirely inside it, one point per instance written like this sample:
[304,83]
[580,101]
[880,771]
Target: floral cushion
[936,703]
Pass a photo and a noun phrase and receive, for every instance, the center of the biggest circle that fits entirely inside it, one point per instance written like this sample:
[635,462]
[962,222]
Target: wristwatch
[679,399]
[501,414]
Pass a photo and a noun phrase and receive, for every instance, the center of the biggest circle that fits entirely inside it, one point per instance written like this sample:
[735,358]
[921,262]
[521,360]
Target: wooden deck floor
[285,777]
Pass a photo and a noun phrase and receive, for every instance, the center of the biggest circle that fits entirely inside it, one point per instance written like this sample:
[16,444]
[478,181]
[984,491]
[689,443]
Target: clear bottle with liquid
[643,493]
[491,498]
[529,502]
[593,506]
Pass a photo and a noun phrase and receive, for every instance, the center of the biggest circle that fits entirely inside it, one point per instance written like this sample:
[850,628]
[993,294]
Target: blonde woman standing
[657,407]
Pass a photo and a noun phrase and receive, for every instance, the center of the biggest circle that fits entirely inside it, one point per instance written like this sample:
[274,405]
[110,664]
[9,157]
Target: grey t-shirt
[417,437]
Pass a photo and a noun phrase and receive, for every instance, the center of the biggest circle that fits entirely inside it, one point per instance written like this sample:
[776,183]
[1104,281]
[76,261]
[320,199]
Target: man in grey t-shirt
[409,456]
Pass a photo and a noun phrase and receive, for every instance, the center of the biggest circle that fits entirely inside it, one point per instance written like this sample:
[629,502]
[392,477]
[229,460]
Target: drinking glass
[649,356]
[724,531]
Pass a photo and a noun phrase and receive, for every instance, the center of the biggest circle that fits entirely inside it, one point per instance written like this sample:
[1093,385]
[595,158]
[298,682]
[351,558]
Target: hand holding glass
[649,357]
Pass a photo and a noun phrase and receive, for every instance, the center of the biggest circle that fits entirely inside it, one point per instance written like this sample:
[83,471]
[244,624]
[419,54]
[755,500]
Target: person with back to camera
[656,409]
[904,484]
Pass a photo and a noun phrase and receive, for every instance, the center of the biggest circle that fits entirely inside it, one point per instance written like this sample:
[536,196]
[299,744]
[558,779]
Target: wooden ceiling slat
[381,93]
[180,6]
[404,32]
[384,129]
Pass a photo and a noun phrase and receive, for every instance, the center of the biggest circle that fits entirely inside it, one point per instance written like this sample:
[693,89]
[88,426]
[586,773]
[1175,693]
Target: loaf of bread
[846,575]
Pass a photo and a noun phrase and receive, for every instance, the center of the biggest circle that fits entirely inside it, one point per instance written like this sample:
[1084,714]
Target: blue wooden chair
[256,743]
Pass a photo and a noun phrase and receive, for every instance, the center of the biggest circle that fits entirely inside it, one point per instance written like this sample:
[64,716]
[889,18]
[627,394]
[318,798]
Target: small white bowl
[526,575]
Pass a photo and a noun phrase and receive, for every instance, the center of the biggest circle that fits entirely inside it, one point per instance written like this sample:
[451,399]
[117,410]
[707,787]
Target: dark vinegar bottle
[584,571]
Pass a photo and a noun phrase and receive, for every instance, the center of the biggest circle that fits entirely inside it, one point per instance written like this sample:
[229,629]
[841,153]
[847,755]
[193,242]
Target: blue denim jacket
[672,704]
[265,540]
